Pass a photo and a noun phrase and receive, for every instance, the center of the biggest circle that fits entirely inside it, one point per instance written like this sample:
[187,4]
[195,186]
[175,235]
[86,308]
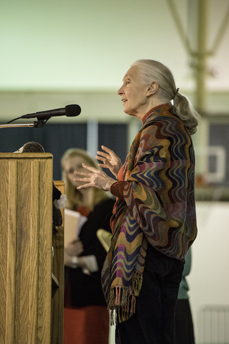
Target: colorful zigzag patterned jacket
[155,206]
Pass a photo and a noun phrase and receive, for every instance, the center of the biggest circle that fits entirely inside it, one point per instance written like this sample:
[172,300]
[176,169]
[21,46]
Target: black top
[86,289]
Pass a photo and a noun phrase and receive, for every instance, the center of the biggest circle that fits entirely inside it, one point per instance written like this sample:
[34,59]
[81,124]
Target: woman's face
[133,93]
[74,164]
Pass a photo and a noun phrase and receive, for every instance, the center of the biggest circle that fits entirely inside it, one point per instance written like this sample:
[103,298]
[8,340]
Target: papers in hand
[73,222]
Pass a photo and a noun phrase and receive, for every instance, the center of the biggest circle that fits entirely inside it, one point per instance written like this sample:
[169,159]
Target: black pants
[153,322]
[184,332]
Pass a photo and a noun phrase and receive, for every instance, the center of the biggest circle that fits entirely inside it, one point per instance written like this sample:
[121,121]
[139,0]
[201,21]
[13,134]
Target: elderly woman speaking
[154,218]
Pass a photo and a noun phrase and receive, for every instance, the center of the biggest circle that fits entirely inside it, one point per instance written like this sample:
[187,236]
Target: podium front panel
[25,247]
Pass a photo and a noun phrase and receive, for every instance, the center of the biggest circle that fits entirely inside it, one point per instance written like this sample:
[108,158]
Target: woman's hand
[74,248]
[110,160]
[94,178]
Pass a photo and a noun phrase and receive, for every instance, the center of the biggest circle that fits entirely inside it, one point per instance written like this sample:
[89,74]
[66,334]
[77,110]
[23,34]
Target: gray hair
[150,71]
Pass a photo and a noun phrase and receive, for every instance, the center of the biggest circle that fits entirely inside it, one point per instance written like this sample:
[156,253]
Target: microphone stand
[37,124]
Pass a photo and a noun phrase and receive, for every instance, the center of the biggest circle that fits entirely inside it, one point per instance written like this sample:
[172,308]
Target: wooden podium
[28,283]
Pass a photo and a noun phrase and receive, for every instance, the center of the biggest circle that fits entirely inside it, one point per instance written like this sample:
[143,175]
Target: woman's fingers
[102,155]
[108,155]
[87,176]
[85,186]
[90,168]
[109,160]
[89,179]
[105,163]
[95,178]
[100,158]
[108,150]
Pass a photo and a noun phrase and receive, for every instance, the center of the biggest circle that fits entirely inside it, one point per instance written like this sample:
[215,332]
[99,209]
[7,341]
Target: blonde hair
[150,71]
[74,196]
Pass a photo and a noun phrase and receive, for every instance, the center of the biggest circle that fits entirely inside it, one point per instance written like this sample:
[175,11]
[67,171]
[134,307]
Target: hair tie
[177,90]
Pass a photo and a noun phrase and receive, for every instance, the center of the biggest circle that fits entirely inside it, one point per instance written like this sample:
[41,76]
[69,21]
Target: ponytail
[186,112]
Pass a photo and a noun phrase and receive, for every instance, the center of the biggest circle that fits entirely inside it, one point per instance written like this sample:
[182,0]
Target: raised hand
[93,178]
[110,160]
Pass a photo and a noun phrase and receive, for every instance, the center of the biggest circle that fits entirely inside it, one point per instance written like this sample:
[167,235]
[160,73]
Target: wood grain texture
[25,247]
[7,251]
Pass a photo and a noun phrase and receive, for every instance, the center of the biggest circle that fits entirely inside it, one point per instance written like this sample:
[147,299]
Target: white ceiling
[89,45]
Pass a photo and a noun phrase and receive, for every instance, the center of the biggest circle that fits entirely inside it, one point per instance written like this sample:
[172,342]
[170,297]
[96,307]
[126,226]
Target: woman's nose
[120,91]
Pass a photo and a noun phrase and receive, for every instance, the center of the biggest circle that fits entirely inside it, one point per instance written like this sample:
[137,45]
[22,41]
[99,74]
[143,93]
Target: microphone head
[72,110]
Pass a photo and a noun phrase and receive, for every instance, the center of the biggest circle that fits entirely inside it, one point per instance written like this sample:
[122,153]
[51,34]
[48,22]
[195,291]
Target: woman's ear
[152,88]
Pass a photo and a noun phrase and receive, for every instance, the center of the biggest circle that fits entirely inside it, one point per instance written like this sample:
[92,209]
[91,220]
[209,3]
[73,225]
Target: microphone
[71,110]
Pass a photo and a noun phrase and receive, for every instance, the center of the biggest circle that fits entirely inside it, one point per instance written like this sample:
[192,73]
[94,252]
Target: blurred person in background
[86,317]
[154,218]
